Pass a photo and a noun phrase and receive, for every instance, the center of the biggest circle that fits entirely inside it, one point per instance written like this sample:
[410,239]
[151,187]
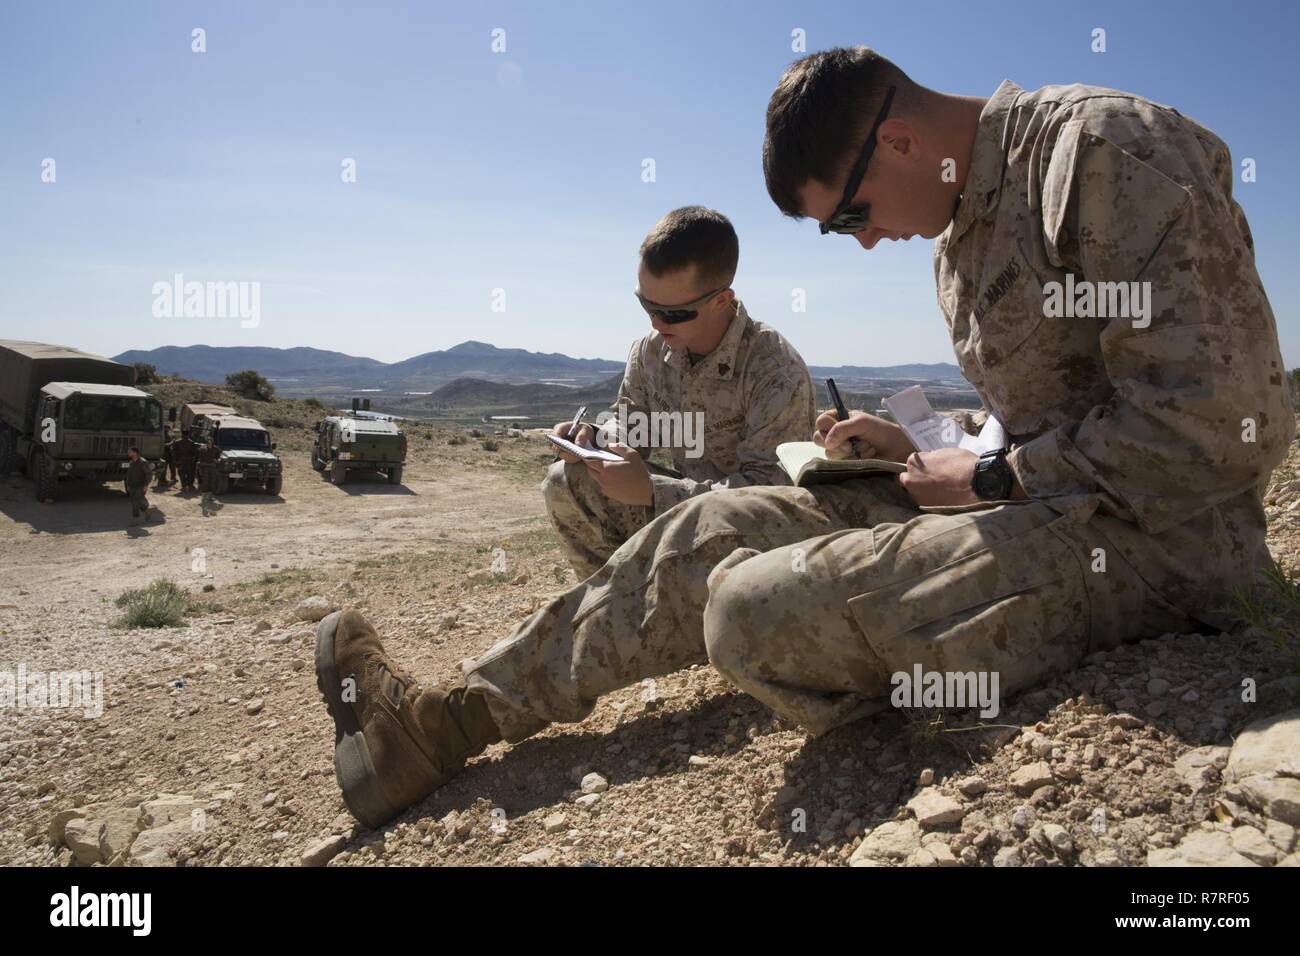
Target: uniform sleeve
[1200,411]
[632,397]
[779,408]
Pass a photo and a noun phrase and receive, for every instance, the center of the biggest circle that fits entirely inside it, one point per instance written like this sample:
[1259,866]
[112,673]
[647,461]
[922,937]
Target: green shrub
[161,604]
[1272,607]
[145,374]
[491,444]
[457,439]
[251,384]
[312,402]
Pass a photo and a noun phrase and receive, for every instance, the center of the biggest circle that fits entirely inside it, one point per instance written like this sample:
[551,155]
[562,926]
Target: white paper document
[930,431]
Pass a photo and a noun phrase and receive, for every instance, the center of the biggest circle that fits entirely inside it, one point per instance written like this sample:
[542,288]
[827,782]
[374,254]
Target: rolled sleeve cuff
[1044,469]
[668,492]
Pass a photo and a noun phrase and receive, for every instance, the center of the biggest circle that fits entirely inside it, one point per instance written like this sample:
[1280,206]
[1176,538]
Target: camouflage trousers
[139,503]
[590,526]
[810,599]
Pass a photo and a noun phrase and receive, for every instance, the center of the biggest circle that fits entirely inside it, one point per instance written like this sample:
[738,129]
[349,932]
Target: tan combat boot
[394,741]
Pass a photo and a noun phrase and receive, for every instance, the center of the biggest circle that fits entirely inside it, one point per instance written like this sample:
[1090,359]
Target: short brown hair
[819,114]
[693,236]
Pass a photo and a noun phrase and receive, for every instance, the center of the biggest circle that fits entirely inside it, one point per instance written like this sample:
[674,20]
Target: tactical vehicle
[352,443]
[195,414]
[67,414]
[247,452]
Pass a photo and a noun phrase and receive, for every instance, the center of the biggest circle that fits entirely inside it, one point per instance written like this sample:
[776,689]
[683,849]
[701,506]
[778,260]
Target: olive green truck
[67,414]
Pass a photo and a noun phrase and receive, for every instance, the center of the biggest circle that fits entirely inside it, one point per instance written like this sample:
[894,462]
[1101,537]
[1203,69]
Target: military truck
[353,443]
[195,414]
[247,452]
[67,414]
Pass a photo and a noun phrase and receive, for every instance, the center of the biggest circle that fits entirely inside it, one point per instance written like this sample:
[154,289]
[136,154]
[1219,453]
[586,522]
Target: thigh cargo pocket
[1016,606]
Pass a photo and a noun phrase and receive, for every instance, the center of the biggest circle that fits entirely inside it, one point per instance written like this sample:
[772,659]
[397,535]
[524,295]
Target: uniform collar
[721,362]
[988,159]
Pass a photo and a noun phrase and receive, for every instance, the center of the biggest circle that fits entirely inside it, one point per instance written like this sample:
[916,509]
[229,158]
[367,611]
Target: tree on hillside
[251,384]
[1295,385]
[145,374]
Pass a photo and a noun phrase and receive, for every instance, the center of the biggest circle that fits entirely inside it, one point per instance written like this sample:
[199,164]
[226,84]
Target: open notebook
[806,464]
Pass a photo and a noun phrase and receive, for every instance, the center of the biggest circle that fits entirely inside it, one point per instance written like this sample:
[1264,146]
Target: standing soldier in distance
[184,454]
[138,473]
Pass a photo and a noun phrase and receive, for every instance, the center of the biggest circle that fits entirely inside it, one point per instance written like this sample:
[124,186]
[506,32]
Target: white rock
[894,840]
[934,809]
[1253,845]
[1030,777]
[555,823]
[313,608]
[1199,848]
[1059,838]
[972,786]
[594,783]
[322,851]
[542,857]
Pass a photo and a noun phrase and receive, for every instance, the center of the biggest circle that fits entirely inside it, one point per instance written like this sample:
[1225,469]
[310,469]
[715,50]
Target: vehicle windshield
[117,413]
[243,439]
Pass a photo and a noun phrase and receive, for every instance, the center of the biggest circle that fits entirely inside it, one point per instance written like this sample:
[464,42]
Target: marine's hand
[628,480]
[940,477]
[876,437]
[584,436]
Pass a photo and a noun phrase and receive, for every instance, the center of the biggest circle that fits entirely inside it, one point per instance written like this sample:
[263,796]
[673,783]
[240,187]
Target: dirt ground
[213,747]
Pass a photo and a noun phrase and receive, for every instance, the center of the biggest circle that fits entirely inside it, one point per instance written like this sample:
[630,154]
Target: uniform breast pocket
[1008,311]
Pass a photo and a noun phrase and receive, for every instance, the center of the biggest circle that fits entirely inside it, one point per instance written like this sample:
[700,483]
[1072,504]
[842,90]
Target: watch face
[992,479]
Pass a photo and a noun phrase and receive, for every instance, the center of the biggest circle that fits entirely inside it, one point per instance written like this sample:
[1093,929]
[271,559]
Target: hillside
[329,375]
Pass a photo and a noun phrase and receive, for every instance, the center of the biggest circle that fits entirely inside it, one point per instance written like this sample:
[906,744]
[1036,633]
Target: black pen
[842,413]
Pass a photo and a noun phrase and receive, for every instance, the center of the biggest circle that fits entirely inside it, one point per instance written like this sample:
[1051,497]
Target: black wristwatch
[993,479]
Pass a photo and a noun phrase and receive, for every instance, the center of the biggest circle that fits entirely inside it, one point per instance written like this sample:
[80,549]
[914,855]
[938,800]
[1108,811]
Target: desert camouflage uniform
[754,393]
[1129,441]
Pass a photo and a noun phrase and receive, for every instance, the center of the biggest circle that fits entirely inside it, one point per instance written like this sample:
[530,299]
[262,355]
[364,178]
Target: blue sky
[522,170]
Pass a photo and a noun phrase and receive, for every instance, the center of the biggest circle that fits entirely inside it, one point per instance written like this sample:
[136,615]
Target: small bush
[1272,607]
[457,439]
[491,444]
[161,604]
[312,402]
[251,384]
[145,374]
[475,433]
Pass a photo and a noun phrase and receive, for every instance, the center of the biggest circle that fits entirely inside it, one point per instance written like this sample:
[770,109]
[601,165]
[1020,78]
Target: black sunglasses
[844,220]
[674,314]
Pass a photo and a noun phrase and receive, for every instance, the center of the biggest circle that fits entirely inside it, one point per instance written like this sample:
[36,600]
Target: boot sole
[353,769]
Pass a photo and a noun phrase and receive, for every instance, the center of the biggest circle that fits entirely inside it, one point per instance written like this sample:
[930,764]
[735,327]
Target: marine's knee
[733,616]
[557,486]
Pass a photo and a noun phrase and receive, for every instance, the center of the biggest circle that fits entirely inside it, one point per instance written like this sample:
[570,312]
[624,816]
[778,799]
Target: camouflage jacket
[138,474]
[1161,423]
[751,393]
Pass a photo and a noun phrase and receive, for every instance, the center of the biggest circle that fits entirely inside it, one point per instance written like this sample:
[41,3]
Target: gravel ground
[213,747]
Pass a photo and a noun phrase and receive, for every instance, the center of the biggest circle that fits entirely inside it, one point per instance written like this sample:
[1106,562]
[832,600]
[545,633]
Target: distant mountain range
[305,370]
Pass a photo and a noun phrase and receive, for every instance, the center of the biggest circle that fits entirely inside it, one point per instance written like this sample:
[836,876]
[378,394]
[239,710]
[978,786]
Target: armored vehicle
[347,443]
[247,454]
[67,414]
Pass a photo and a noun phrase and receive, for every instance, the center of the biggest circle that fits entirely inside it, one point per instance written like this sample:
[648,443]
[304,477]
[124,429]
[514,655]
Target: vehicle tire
[338,473]
[221,484]
[274,484]
[316,463]
[8,454]
[395,475]
[47,485]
